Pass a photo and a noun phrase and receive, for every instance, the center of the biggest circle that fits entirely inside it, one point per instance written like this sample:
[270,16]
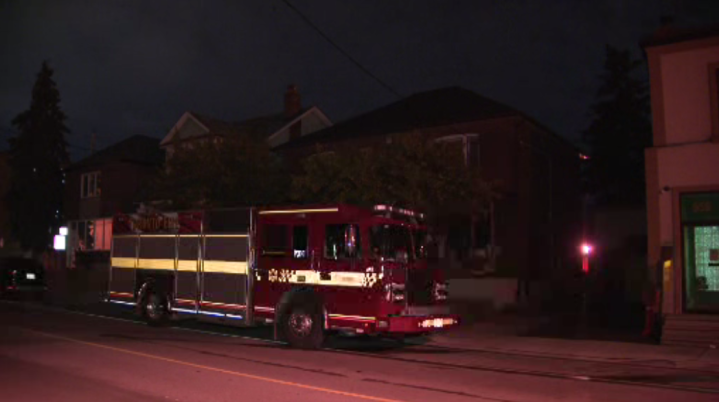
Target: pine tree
[619,132]
[38,155]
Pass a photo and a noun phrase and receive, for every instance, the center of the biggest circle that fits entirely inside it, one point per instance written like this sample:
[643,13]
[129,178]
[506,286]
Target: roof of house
[263,126]
[669,34]
[139,149]
[428,109]
[259,127]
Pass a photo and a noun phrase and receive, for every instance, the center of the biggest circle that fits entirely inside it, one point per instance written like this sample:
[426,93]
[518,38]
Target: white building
[682,171]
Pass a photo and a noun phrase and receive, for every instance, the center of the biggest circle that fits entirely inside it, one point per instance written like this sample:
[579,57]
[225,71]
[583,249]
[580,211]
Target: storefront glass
[700,219]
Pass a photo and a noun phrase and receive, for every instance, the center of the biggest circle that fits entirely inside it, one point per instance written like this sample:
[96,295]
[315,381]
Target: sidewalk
[501,337]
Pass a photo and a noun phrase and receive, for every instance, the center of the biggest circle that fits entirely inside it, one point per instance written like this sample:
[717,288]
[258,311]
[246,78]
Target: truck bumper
[407,324]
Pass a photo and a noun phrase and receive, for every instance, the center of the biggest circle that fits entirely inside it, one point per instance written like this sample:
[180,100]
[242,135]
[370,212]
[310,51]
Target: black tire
[301,325]
[155,309]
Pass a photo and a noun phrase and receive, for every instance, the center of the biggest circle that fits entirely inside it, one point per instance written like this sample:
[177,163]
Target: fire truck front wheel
[301,326]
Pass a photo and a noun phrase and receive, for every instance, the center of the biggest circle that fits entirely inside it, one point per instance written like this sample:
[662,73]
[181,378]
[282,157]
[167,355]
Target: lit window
[90,235]
[90,185]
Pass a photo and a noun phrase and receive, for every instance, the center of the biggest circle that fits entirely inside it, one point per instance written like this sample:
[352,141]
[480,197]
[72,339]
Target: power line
[339,49]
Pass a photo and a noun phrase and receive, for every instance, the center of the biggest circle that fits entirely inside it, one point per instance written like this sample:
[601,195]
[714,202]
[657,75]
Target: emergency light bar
[400,211]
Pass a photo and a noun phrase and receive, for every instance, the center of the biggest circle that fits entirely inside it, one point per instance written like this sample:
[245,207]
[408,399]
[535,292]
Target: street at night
[392,201]
[55,355]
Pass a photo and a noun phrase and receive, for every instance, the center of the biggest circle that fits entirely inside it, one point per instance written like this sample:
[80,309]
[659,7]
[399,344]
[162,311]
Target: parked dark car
[21,275]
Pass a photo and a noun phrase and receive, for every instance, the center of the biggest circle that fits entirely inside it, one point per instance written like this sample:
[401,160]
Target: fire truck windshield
[395,243]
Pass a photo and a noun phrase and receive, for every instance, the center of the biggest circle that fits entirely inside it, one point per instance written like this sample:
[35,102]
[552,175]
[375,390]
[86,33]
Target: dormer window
[90,185]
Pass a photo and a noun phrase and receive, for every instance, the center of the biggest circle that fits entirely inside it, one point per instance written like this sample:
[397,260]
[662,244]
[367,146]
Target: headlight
[440,291]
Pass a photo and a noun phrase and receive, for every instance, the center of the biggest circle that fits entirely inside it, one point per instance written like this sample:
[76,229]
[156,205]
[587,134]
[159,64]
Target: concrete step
[691,330]
[708,318]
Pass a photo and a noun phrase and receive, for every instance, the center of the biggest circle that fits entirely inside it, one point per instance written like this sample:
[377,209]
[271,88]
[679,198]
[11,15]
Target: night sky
[133,67]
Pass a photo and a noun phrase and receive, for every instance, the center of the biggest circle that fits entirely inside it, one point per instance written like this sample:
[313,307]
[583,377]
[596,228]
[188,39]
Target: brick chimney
[293,104]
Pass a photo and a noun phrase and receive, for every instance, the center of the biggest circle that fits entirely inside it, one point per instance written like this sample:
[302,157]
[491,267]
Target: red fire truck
[306,270]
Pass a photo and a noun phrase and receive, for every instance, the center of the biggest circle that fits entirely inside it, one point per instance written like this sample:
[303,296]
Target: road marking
[215,369]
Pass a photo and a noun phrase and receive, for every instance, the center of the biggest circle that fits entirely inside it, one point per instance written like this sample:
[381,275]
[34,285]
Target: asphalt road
[52,355]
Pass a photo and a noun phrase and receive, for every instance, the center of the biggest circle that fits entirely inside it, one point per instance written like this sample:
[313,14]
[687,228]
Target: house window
[90,185]
[94,235]
[469,144]
[714,89]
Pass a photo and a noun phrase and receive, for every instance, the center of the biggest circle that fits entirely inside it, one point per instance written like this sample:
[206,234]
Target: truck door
[341,277]
[187,287]
[274,263]
[123,266]
[223,275]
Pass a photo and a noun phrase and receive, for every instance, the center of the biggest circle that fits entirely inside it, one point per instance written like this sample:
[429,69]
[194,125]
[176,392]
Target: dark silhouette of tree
[619,132]
[38,155]
[412,173]
[233,171]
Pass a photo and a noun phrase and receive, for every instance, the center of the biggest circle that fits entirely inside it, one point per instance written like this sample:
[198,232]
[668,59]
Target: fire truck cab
[306,270]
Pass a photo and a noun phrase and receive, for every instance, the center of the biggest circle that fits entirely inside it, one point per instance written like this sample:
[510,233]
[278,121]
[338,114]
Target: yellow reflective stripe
[156,263]
[220,305]
[352,317]
[353,278]
[347,279]
[227,267]
[123,262]
[298,211]
[184,236]
[187,265]
[184,301]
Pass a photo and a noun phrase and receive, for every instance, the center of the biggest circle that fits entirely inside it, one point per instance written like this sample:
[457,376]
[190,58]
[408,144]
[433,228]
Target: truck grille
[419,287]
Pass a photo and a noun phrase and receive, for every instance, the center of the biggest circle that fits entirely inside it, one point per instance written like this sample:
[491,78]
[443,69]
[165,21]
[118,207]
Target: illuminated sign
[59,242]
[700,207]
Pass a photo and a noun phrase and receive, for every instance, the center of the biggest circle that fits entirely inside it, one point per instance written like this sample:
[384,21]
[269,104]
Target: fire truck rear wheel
[302,326]
[155,309]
